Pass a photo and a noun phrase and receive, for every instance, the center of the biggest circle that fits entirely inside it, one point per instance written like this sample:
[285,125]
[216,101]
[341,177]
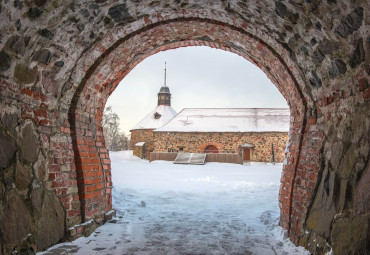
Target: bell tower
[164,95]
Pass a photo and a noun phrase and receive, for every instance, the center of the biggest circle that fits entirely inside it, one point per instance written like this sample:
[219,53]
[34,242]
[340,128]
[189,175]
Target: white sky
[197,77]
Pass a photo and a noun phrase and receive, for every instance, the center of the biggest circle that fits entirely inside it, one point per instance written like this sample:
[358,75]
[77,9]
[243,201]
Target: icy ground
[163,208]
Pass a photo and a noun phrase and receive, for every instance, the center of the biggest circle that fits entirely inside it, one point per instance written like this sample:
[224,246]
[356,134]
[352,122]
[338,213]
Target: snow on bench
[190,158]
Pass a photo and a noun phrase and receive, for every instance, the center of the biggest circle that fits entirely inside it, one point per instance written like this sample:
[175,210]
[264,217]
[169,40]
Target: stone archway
[120,56]
[59,62]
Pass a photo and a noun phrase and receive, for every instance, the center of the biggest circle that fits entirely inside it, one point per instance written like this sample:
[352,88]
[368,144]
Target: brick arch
[205,145]
[102,77]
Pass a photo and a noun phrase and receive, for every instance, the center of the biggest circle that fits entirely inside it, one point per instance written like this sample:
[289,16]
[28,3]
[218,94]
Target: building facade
[260,146]
[258,134]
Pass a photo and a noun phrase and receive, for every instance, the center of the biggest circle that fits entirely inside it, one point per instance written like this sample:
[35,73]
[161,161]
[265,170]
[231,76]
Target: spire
[164,95]
[165,74]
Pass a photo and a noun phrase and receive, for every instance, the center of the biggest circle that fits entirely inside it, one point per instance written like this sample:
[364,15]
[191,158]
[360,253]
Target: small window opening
[157,115]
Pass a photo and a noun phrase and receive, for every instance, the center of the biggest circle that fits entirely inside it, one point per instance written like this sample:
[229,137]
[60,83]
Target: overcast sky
[197,77]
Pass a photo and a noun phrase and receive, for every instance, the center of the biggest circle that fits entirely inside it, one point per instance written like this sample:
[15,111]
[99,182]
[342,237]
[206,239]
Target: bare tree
[115,139]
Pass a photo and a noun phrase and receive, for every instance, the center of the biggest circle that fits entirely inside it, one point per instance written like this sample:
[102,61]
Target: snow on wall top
[150,122]
[229,120]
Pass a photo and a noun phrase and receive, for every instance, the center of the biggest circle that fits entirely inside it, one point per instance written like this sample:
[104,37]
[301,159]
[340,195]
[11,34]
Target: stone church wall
[225,142]
[142,135]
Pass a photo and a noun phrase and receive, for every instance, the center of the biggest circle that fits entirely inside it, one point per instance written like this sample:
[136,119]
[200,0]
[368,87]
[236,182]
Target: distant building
[158,117]
[257,134]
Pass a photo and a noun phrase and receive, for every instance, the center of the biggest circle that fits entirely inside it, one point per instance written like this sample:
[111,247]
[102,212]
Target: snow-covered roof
[166,113]
[140,144]
[229,120]
[247,145]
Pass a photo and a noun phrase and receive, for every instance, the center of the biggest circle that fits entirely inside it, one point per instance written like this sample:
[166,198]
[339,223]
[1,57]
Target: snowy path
[164,208]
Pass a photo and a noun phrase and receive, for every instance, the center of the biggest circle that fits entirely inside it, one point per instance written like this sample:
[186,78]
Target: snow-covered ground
[163,208]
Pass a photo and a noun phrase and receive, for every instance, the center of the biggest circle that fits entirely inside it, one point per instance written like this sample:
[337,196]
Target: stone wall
[60,61]
[142,135]
[225,143]
[140,150]
[31,215]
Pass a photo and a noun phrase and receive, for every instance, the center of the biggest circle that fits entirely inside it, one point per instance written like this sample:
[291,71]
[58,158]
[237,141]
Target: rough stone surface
[323,209]
[2,191]
[10,121]
[36,201]
[40,3]
[34,13]
[5,61]
[337,67]
[140,151]
[350,23]
[317,57]
[336,154]
[40,168]
[29,144]
[46,33]
[362,193]
[351,236]
[142,136]
[59,63]
[49,84]
[7,151]
[51,223]
[315,81]
[23,177]
[18,44]
[42,56]
[358,55]
[17,220]
[327,47]
[25,75]
[119,13]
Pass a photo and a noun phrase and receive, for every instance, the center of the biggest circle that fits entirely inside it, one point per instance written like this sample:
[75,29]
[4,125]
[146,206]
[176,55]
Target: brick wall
[225,143]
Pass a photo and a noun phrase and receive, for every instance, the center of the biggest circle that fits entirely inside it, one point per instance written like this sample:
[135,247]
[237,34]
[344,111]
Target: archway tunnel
[60,62]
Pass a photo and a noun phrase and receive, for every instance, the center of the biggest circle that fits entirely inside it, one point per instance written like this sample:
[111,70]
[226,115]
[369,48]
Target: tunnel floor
[164,208]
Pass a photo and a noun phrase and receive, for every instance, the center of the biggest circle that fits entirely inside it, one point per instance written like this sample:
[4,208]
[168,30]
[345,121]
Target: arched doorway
[211,149]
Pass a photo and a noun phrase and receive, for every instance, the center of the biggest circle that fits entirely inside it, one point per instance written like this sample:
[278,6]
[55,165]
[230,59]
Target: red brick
[27,92]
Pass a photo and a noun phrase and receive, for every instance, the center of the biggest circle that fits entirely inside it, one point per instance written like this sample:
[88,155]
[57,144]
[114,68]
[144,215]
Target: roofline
[236,108]
[142,129]
[149,114]
[159,131]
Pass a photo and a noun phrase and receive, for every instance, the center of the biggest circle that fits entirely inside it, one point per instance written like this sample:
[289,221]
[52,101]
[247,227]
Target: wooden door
[246,154]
